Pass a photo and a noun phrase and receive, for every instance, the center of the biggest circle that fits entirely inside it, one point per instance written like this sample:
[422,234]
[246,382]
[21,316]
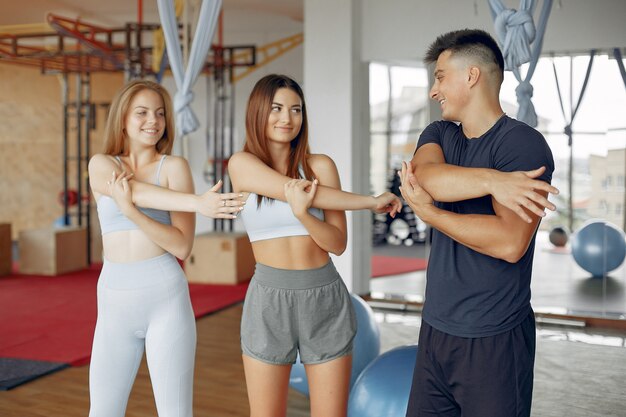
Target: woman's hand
[299,199]
[220,206]
[121,191]
[387,203]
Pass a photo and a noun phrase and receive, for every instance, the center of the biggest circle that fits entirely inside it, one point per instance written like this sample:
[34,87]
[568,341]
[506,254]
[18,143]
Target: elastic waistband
[152,271]
[295,279]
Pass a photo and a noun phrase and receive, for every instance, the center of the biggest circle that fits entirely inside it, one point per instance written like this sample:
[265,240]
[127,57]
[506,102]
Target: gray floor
[575,379]
[558,285]
[578,372]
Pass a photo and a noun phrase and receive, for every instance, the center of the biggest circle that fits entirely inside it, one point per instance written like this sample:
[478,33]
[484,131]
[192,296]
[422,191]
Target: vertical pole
[79,147]
[128,52]
[65,95]
[87,201]
[222,123]
[346,116]
[138,71]
[207,133]
[216,93]
[231,126]
[139,12]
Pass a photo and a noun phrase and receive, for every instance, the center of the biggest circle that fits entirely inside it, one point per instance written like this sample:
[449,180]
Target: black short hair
[469,42]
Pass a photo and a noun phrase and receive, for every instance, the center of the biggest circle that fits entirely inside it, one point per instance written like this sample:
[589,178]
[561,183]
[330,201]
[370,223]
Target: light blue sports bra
[112,219]
[272,220]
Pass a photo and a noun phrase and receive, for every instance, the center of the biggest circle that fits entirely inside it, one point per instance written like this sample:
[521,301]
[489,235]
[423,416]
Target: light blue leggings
[143,303]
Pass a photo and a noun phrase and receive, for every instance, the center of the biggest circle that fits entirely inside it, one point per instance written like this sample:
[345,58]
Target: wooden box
[220,258]
[53,251]
[6,252]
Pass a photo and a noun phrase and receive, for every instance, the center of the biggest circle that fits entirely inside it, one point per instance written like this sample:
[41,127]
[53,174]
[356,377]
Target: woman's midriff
[129,246]
[294,252]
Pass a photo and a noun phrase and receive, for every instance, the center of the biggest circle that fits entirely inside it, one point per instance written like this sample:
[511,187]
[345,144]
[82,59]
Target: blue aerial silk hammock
[186,121]
[516,32]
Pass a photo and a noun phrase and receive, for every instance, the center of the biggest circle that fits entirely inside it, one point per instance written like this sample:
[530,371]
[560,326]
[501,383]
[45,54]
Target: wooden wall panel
[31,142]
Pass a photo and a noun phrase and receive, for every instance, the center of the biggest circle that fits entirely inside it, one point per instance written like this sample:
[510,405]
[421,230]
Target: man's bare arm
[519,191]
[503,235]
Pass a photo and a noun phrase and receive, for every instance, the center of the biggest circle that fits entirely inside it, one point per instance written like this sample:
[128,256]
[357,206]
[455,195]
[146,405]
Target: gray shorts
[287,311]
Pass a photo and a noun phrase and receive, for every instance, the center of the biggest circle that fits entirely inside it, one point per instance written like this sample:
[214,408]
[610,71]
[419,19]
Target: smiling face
[285,118]
[451,86]
[145,119]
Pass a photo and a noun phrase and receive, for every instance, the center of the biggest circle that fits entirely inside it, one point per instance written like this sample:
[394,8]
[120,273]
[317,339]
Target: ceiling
[115,13]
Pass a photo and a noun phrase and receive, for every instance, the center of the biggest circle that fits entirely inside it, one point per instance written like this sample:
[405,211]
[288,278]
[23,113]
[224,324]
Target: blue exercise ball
[382,389]
[599,247]
[59,223]
[366,346]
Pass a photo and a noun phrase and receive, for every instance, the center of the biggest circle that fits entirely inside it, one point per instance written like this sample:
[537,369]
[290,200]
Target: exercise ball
[366,346]
[382,389]
[59,223]
[599,247]
[558,237]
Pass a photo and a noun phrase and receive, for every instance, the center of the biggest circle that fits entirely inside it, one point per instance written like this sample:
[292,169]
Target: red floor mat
[393,265]
[53,318]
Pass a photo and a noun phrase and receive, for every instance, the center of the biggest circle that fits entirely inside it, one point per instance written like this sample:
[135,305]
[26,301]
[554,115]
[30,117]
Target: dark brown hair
[473,43]
[257,116]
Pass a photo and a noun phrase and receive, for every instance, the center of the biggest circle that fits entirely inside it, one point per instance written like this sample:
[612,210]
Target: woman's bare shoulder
[242,161]
[102,158]
[321,162]
[101,161]
[176,161]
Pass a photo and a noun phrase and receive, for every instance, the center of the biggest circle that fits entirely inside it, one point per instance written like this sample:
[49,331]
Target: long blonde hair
[114,132]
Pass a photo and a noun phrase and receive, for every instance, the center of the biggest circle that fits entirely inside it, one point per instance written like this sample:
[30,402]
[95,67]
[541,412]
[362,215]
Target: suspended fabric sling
[568,131]
[516,32]
[185,79]
[159,57]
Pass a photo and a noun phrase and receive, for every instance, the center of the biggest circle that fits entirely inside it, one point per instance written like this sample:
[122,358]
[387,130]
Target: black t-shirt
[469,294]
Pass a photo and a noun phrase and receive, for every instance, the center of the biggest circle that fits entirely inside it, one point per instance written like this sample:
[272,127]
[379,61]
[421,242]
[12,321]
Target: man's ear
[473,75]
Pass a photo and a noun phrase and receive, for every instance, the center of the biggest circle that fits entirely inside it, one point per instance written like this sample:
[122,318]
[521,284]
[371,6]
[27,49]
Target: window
[599,132]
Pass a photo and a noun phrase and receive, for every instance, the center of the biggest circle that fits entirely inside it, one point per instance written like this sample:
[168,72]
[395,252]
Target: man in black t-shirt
[482,185]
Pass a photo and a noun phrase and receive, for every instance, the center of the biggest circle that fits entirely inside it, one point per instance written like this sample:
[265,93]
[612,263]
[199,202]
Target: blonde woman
[145,206]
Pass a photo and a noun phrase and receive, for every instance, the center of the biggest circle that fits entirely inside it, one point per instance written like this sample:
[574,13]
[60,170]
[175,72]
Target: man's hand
[518,190]
[415,196]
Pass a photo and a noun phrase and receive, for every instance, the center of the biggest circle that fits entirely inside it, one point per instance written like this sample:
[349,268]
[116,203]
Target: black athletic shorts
[474,377]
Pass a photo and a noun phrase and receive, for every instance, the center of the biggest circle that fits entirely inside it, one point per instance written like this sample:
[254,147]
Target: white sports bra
[273,219]
[111,217]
